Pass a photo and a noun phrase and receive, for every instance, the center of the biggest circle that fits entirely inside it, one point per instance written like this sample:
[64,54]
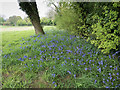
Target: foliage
[13,20]
[2,20]
[47,21]
[24,22]
[107,30]
[64,61]
[102,29]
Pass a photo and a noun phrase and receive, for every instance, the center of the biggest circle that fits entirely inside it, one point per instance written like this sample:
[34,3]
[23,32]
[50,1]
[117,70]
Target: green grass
[56,59]
[1,26]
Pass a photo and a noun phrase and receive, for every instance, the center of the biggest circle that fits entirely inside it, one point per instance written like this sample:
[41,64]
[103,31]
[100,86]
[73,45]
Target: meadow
[57,59]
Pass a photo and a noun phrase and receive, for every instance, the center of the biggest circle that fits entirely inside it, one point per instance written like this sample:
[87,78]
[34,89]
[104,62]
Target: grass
[1,26]
[55,60]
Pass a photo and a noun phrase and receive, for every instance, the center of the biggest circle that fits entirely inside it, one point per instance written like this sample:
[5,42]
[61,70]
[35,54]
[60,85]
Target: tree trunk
[36,23]
[31,10]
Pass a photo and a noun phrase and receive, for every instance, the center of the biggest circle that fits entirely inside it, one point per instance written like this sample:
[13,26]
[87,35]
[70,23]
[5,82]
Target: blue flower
[72,64]
[32,64]
[53,82]
[85,68]
[68,57]
[53,66]
[95,81]
[110,74]
[65,61]
[117,74]
[113,79]
[106,87]
[110,66]
[109,56]
[20,59]
[53,57]
[69,51]
[101,62]
[29,58]
[75,76]
[104,82]
[110,78]
[25,56]
[35,56]
[53,75]
[55,85]
[69,72]
[83,55]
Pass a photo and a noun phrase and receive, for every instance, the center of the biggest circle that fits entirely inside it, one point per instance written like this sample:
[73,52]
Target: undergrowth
[58,60]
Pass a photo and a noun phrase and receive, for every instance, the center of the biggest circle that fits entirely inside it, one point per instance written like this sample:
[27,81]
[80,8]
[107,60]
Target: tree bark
[36,23]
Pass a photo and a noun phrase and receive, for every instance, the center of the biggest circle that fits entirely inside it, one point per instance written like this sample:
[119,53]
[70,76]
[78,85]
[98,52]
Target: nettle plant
[107,30]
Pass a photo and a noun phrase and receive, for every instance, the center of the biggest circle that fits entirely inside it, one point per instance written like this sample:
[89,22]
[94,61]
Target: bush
[107,31]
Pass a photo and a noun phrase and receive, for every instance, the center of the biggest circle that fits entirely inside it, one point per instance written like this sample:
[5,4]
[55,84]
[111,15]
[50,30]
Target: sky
[11,7]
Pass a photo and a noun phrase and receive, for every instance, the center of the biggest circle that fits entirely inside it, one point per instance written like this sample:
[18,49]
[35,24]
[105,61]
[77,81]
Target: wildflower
[65,61]
[69,72]
[107,80]
[107,87]
[110,66]
[69,51]
[29,58]
[85,68]
[113,79]
[95,81]
[53,82]
[32,64]
[83,55]
[68,57]
[99,70]
[110,74]
[62,64]
[53,66]
[109,56]
[72,64]
[117,74]
[20,59]
[115,68]
[75,76]
[110,78]
[40,65]
[53,75]
[103,81]
[55,85]
[25,56]
[53,57]
[101,62]
[35,56]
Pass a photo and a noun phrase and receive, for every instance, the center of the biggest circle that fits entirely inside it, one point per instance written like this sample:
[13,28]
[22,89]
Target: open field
[16,28]
[54,60]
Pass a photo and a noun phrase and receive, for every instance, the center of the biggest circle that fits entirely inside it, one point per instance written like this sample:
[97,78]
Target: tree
[13,20]
[2,20]
[30,7]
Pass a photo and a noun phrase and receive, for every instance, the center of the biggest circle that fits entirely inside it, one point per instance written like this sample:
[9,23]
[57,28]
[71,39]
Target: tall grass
[56,59]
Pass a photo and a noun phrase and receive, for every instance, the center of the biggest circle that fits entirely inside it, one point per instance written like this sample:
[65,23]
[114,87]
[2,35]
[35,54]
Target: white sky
[11,7]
